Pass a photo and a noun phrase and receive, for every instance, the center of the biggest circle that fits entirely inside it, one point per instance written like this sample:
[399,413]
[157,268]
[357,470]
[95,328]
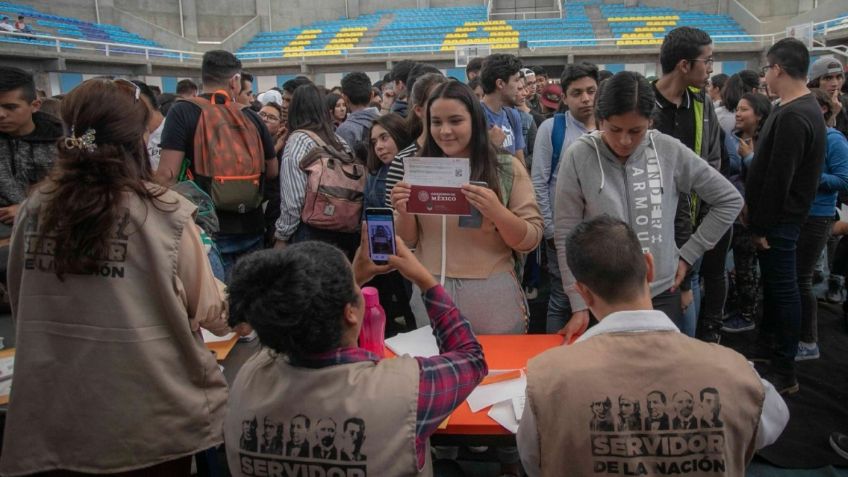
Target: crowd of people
[151,216]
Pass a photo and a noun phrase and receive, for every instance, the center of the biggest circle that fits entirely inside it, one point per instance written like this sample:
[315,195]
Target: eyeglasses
[269,117]
[707,61]
[766,68]
[136,91]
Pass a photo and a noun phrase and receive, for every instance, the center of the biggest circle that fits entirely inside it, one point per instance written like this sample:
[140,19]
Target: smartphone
[475,220]
[380,223]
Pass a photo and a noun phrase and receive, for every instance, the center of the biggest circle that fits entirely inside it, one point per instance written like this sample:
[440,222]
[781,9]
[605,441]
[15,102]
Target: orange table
[502,352]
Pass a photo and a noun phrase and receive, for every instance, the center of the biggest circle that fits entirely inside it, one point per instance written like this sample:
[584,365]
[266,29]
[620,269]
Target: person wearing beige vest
[633,395]
[311,402]
[109,286]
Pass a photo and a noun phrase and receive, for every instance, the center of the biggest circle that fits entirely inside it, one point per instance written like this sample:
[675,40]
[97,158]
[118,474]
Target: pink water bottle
[372,334]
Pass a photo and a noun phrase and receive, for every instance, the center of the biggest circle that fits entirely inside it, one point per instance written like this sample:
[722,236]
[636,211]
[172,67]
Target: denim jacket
[375,189]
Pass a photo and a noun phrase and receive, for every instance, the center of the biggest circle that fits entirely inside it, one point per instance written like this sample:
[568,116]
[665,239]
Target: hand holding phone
[380,223]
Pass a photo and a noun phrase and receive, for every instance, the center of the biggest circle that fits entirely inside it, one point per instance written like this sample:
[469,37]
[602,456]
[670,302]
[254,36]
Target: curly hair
[84,191]
[294,298]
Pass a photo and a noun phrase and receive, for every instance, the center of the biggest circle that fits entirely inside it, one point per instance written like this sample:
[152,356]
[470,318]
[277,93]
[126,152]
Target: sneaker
[835,289]
[532,293]
[807,351]
[839,442]
[737,324]
[784,383]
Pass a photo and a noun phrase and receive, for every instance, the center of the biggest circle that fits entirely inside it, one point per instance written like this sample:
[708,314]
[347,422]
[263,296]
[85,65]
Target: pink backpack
[335,188]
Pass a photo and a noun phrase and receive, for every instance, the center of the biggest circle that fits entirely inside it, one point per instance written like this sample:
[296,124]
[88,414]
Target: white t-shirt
[153,149]
[7,26]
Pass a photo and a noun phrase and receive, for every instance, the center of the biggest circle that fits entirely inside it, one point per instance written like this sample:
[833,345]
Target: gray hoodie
[354,129]
[643,192]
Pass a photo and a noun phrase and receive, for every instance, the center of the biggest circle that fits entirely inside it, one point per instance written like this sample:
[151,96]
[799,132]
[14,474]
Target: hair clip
[86,141]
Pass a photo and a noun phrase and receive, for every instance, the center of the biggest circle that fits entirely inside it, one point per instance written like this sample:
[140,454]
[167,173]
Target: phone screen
[381,234]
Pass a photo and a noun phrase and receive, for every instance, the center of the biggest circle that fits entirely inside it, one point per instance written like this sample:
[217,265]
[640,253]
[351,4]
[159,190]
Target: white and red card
[436,184]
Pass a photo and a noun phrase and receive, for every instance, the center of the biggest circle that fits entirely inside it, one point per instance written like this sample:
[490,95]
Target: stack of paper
[7,365]
[208,337]
[506,398]
[419,343]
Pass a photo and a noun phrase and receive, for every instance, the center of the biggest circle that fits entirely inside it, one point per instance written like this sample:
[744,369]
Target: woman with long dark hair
[752,111]
[388,135]
[110,284]
[631,172]
[738,85]
[336,107]
[474,259]
[307,115]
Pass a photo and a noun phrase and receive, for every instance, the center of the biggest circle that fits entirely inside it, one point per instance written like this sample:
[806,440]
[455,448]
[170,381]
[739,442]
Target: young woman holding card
[473,256]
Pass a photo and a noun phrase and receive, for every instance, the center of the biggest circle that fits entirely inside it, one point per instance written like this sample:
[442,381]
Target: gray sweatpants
[494,305]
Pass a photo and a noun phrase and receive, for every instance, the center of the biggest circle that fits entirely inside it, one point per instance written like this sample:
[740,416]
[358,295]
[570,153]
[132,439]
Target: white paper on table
[502,413]
[486,395]
[419,343]
[208,337]
[436,171]
[7,366]
[518,406]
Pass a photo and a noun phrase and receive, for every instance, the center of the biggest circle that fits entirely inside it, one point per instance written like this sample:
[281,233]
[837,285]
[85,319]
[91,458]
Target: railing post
[58,45]
[147,53]
[107,49]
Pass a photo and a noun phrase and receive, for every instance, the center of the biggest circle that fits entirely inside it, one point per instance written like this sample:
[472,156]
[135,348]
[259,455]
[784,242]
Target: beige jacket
[111,373]
[479,252]
[353,419]
[650,401]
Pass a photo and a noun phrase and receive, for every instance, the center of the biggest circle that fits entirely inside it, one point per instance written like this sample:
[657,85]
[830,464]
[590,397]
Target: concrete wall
[707,6]
[82,9]
[163,14]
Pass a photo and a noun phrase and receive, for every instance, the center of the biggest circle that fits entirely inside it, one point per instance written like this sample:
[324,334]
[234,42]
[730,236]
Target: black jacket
[784,175]
[26,160]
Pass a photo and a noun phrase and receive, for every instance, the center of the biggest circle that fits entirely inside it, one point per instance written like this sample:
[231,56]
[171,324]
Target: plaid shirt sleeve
[447,379]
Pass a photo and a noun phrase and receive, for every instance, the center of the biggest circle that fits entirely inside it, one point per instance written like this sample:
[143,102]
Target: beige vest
[644,403]
[108,375]
[351,420]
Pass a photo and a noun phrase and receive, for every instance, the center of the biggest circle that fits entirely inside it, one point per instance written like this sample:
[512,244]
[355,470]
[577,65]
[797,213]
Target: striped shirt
[293,183]
[395,173]
[445,380]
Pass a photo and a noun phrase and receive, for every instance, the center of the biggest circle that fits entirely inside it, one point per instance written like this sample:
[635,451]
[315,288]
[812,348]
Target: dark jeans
[234,246]
[714,273]
[811,242]
[745,266]
[347,242]
[668,302]
[781,297]
[559,308]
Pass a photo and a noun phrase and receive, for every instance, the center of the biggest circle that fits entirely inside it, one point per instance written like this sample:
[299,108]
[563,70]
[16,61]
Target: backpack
[505,179]
[557,140]
[335,185]
[228,156]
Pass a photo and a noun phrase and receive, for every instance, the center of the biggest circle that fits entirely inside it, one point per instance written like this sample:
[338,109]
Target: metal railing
[535,15]
[70,45]
[61,44]
[405,51]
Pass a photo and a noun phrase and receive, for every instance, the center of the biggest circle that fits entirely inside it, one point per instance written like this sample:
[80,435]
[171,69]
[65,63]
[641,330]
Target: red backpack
[335,187]
[228,155]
